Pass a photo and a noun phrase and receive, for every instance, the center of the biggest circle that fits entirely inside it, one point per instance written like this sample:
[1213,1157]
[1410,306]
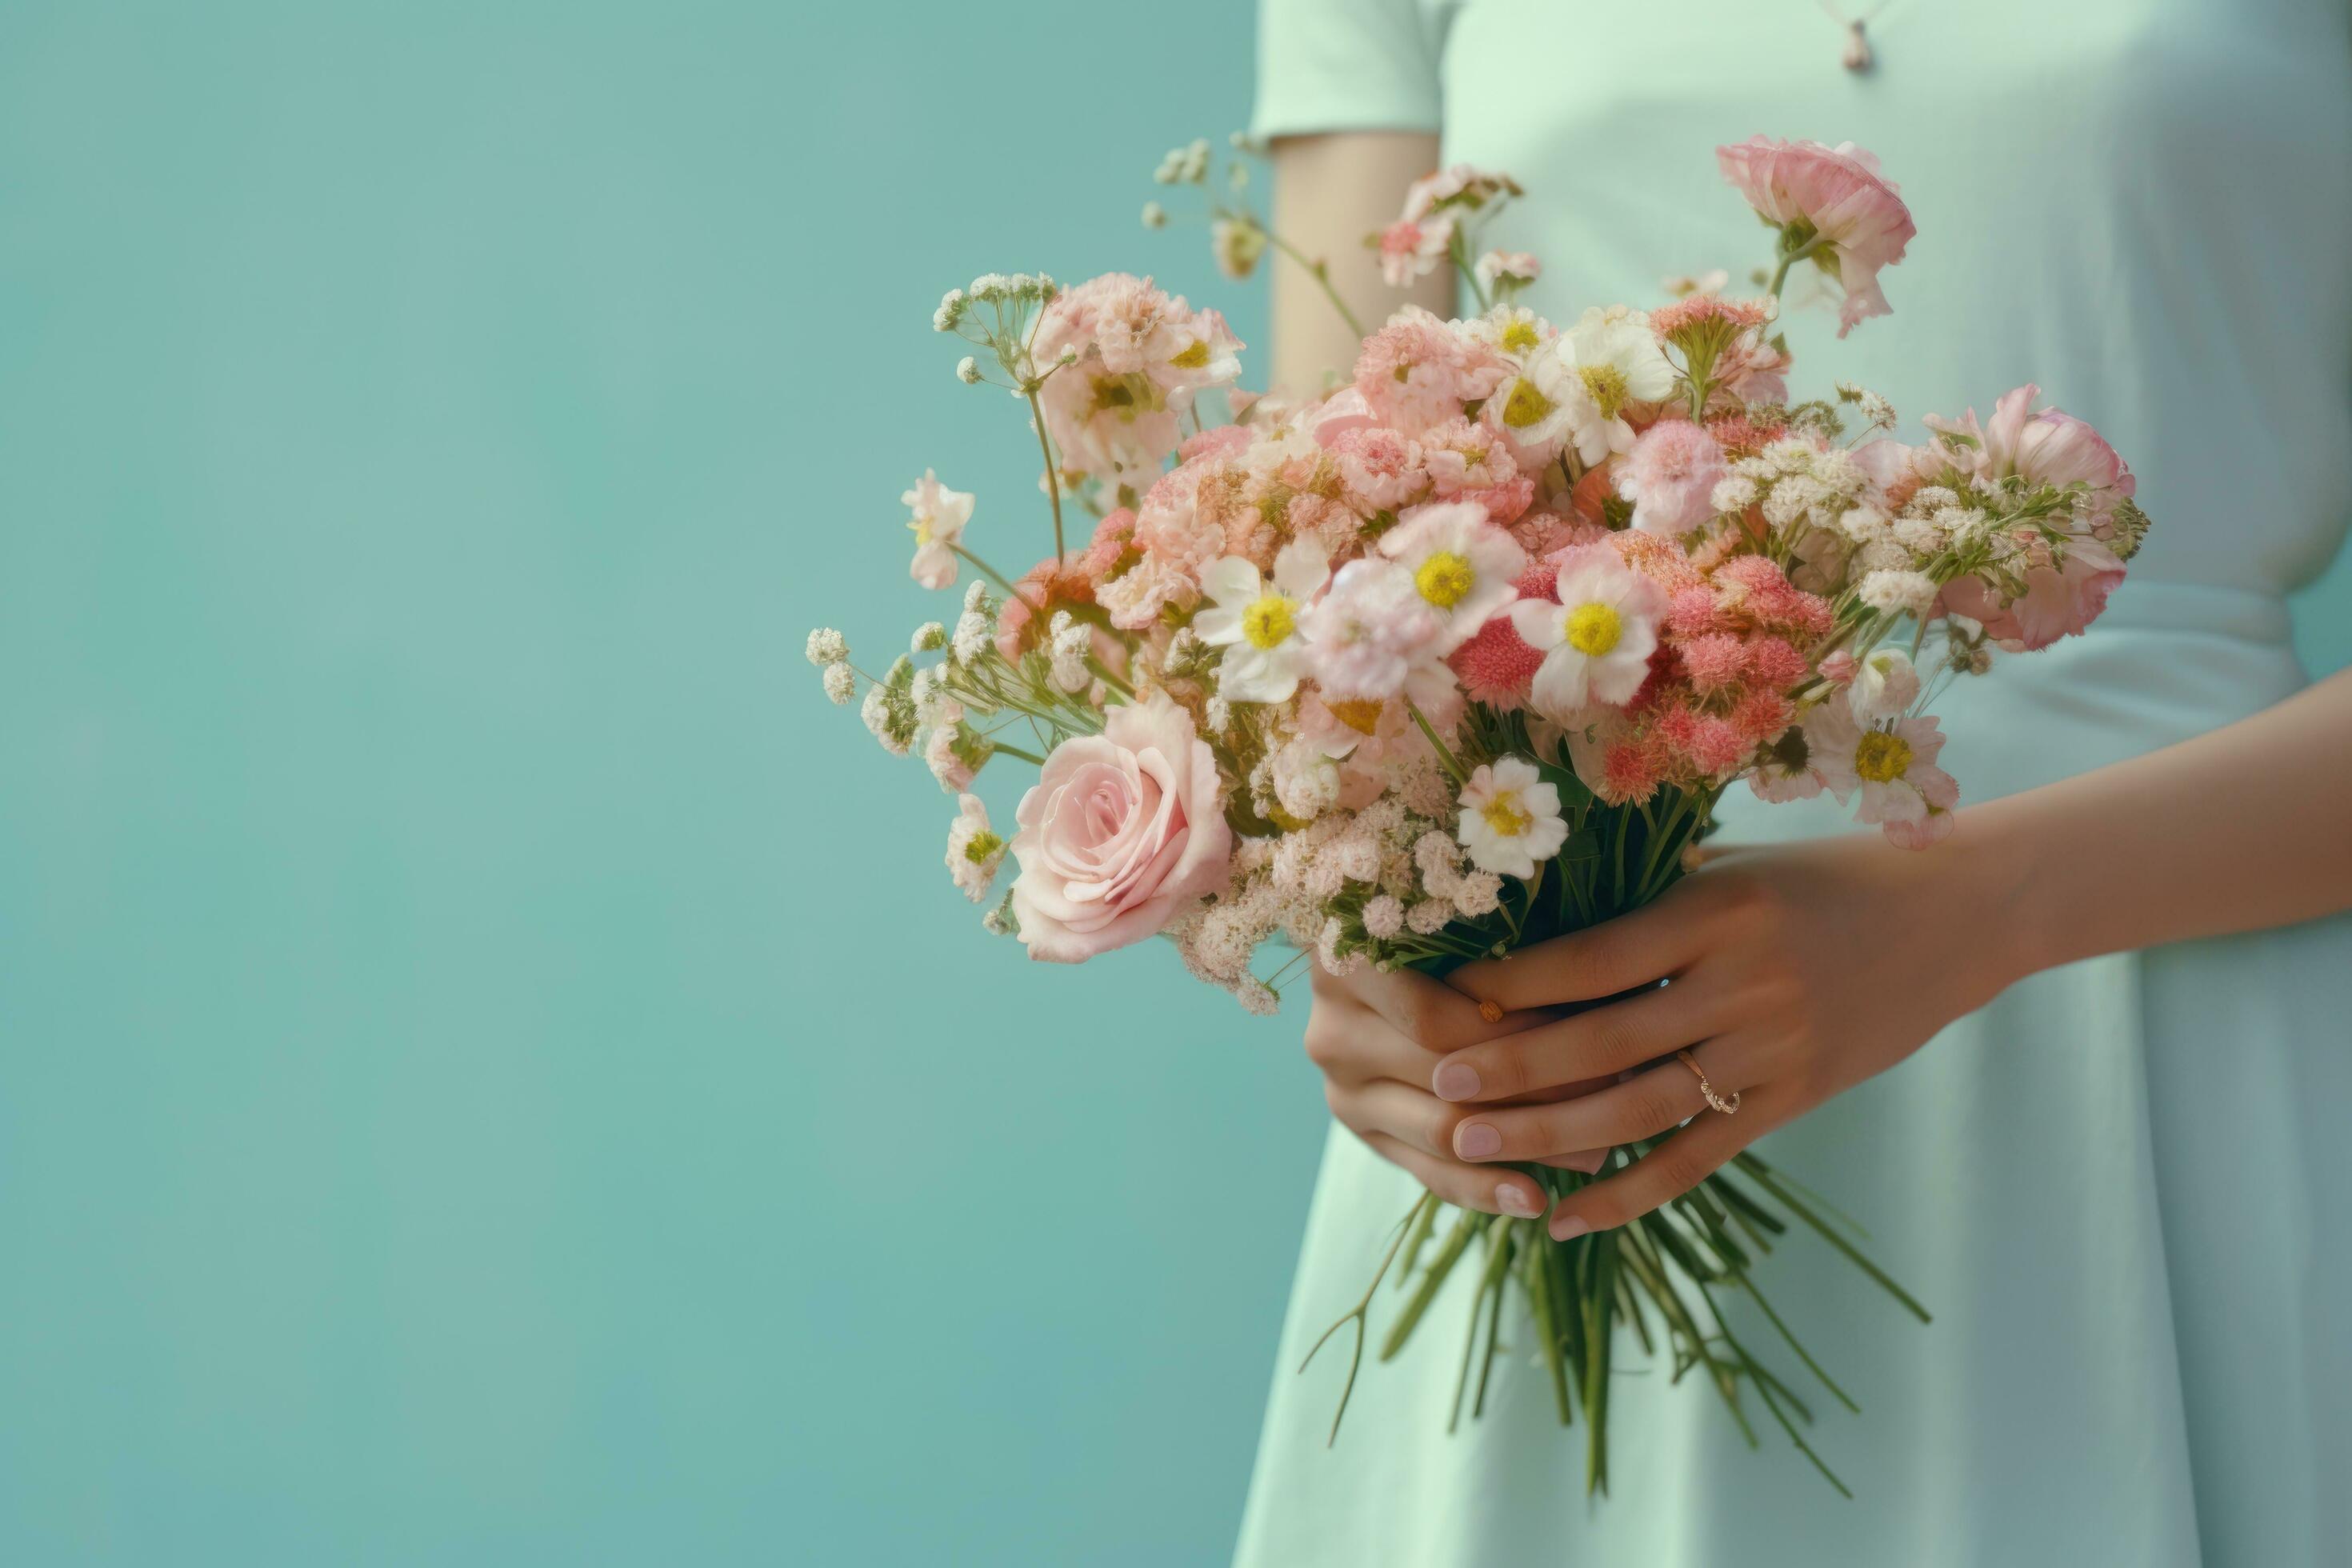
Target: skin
[1796,971]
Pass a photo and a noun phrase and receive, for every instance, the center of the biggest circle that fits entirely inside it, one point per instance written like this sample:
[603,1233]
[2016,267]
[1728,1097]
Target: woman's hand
[1377,1038]
[1794,973]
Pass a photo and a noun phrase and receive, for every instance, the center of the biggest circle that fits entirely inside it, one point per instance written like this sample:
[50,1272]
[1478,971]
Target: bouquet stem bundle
[1459,655]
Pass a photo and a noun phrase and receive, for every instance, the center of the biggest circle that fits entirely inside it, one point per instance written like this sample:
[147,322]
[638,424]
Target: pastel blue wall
[491,1071]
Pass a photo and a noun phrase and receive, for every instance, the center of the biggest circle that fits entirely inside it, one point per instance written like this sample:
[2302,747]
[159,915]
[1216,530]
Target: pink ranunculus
[2050,446]
[1841,194]
[2057,602]
[1121,834]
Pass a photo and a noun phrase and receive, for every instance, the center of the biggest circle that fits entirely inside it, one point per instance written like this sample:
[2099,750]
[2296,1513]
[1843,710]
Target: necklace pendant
[1857,58]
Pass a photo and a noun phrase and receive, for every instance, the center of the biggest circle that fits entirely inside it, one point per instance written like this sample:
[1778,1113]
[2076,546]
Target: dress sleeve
[1348,65]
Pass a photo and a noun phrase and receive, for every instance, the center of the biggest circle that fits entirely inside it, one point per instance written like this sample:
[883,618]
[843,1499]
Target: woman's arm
[1797,971]
[1330,192]
[2236,830]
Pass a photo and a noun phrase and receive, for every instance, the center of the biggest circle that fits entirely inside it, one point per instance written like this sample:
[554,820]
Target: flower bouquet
[1460,653]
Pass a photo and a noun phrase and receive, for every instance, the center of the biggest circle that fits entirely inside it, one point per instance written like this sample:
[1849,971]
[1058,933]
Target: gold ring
[1491,1010]
[1713,1100]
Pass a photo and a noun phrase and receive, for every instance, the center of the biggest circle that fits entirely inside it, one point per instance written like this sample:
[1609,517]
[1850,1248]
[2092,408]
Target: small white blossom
[968,370]
[970,637]
[928,638]
[1383,917]
[1154,216]
[1259,997]
[840,683]
[1429,917]
[974,850]
[826,646]
[950,311]
[1071,641]
[1909,592]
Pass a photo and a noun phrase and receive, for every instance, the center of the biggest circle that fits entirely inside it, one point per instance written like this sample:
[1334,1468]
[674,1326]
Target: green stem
[1789,259]
[1452,765]
[1053,479]
[999,578]
[1321,273]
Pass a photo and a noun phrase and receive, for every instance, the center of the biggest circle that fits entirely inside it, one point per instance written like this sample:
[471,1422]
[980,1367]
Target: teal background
[490,1068]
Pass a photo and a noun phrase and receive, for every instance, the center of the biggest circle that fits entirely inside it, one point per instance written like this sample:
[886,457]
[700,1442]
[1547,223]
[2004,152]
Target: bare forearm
[1330,192]
[2237,830]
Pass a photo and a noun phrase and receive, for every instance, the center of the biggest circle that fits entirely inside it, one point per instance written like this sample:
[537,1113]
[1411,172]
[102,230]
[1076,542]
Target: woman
[2112,1161]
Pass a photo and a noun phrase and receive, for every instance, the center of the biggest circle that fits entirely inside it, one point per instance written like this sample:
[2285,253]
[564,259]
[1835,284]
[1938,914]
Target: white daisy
[1609,359]
[1462,566]
[1510,818]
[1258,623]
[1892,767]
[1598,639]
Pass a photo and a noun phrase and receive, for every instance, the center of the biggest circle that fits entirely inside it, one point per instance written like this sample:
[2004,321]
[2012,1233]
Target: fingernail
[1511,1200]
[1568,1228]
[1455,1080]
[1589,1163]
[1476,1141]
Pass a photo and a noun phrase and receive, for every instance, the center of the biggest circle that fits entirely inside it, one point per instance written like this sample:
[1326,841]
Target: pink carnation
[1670,475]
[1414,372]
[1382,468]
[1840,194]
[1506,501]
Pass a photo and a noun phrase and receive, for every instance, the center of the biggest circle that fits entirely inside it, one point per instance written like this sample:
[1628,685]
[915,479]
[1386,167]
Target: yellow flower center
[1503,813]
[1445,579]
[1882,758]
[1594,630]
[1606,382]
[1520,336]
[922,527]
[1362,714]
[981,846]
[1526,405]
[1269,622]
[1192,358]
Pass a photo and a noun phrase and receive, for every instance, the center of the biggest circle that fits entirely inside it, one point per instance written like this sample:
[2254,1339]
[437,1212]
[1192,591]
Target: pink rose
[1121,834]
[1839,193]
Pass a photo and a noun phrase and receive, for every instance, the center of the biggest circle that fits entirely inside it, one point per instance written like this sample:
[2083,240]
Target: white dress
[2122,1186]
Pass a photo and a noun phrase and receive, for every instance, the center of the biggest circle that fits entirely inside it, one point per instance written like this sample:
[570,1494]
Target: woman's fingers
[1352,1044]
[1467,1187]
[1602,960]
[1665,1172]
[1598,1044]
[1643,1106]
[1409,1115]
[1438,1017]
